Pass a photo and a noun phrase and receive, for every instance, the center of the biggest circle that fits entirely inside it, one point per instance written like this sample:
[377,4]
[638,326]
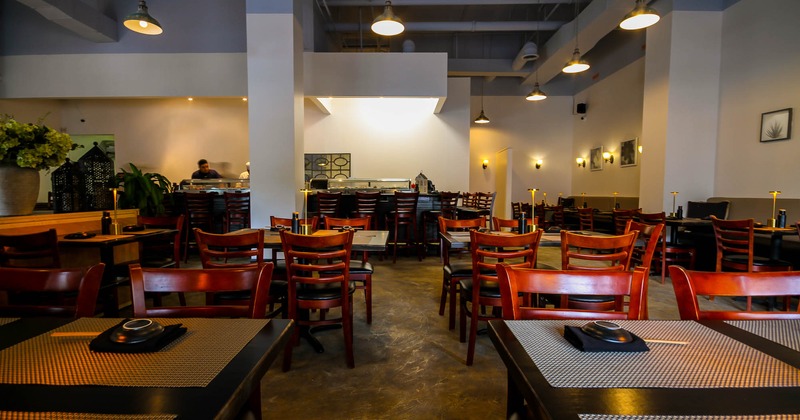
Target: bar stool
[328,204]
[586,218]
[404,215]
[237,210]
[367,206]
[198,213]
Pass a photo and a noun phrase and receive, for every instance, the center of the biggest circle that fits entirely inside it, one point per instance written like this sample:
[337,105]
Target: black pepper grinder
[521,223]
[781,218]
[105,223]
[295,222]
[679,214]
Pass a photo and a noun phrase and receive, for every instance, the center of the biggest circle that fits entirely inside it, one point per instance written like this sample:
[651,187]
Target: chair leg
[254,402]
[453,303]
[443,299]
[347,328]
[473,334]
[462,319]
[368,296]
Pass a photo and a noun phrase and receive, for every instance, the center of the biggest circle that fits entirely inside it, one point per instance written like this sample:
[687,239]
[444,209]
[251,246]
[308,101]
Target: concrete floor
[408,364]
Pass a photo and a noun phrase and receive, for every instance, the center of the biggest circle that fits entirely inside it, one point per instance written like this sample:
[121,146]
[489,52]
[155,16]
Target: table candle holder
[674,196]
[305,229]
[533,196]
[771,220]
[583,196]
[115,228]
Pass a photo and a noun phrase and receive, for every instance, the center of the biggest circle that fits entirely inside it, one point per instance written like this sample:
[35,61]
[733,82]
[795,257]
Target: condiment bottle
[521,223]
[679,214]
[295,222]
[781,218]
[105,223]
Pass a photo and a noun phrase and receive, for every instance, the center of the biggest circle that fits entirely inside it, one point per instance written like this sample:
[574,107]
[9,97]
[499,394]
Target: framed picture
[596,159]
[627,153]
[776,125]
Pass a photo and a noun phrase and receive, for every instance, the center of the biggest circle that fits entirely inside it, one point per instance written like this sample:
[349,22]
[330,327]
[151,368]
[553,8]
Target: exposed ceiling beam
[520,26]
[349,3]
[77,17]
[483,68]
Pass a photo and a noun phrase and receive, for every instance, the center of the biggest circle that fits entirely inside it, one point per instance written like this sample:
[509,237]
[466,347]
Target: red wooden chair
[499,224]
[360,269]
[689,284]
[620,284]
[453,271]
[68,292]
[30,250]
[668,253]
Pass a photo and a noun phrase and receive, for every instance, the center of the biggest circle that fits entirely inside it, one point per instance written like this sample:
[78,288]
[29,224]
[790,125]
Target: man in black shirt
[204,171]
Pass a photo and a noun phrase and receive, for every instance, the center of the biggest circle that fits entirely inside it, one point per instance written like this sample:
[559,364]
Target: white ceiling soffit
[598,19]
[458,26]
[77,17]
[380,3]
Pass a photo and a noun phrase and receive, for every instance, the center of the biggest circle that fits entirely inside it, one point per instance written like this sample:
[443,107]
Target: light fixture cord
[577,26]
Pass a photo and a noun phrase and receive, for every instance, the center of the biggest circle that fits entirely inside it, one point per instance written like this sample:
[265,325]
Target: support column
[275,107]
[681,109]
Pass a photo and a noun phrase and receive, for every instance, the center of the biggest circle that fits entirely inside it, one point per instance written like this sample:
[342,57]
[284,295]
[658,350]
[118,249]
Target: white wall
[614,114]
[760,67]
[533,130]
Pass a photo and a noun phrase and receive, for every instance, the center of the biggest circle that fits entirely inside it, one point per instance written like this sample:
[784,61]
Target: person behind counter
[204,171]
[245,174]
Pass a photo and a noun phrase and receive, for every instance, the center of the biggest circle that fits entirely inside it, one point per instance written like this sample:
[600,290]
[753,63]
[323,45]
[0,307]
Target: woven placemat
[784,332]
[53,415]
[4,321]
[711,360]
[616,417]
[192,360]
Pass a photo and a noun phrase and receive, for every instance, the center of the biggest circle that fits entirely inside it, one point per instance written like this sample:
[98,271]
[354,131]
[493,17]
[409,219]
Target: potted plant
[26,149]
[144,191]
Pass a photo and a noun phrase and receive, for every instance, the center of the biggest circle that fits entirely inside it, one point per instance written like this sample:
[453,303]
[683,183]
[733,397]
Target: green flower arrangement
[33,146]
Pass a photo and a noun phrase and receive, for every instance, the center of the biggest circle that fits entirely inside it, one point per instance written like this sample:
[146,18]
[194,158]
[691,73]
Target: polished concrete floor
[408,364]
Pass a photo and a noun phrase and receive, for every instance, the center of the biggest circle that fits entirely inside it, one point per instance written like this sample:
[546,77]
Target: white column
[681,109]
[275,103]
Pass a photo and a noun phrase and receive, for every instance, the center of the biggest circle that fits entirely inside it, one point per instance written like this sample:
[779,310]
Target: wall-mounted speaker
[581,108]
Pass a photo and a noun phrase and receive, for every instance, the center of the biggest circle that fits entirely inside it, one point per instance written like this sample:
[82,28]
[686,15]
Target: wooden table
[115,251]
[775,234]
[530,377]
[222,398]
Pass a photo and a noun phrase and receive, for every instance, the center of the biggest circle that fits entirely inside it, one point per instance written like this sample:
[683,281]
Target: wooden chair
[161,253]
[70,292]
[403,216]
[254,282]
[620,218]
[516,209]
[469,199]
[621,284]
[449,203]
[30,250]
[485,201]
[360,269]
[735,244]
[319,279]
[453,271]
[558,216]
[367,206]
[480,290]
[244,249]
[198,214]
[586,218]
[595,253]
[328,204]
[512,225]
[649,239]
[430,219]
[690,284]
[237,210]
[668,253]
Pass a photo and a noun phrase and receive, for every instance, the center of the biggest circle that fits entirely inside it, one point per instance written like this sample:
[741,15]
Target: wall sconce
[640,148]
[485,163]
[581,162]
[608,157]
[538,164]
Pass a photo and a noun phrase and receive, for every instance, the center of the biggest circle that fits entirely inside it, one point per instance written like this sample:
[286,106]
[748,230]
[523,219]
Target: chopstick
[75,334]
[654,340]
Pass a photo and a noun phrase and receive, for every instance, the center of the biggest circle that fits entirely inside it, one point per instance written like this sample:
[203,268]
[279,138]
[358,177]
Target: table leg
[775,243]
[515,404]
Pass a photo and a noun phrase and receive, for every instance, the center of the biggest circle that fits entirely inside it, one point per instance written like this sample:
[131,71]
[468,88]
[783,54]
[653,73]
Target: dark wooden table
[527,384]
[224,397]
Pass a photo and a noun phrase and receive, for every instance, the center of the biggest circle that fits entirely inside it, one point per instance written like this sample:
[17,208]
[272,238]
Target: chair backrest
[558,215]
[650,236]
[449,202]
[244,248]
[198,206]
[255,280]
[328,203]
[237,210]
[515,250]
[652,218]
[512,224]
[287,222]
[734,237]
[317,259]
[597,253]
[449,225]
[367,202]
[704,210]
[468,199]
[164,222]
[513,281]
[362,223]
[30,250]
[484,200]
[406,202]
[690,284]
[621,217]
[586,218]
[55,286]
[516,209]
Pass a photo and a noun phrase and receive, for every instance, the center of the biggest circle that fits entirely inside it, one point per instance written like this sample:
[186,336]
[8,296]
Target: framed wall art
[627,153]
[596,159]
[776,125]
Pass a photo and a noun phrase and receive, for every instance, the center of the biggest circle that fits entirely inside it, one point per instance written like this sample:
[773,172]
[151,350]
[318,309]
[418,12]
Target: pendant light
[536,94]
[387,23]
[640,17]
[482,118]
[576,64]
[142,22]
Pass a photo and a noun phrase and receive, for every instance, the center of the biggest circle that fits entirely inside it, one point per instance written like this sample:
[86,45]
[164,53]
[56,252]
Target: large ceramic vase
[19,189]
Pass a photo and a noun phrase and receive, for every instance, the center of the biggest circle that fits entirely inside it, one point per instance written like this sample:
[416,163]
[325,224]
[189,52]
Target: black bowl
[136,331]
[607,331]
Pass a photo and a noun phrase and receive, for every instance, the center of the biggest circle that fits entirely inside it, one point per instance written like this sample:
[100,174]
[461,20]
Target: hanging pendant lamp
[640,17]
[536,94]
[142,22]
[387,23]
[576,64]
[482,118]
